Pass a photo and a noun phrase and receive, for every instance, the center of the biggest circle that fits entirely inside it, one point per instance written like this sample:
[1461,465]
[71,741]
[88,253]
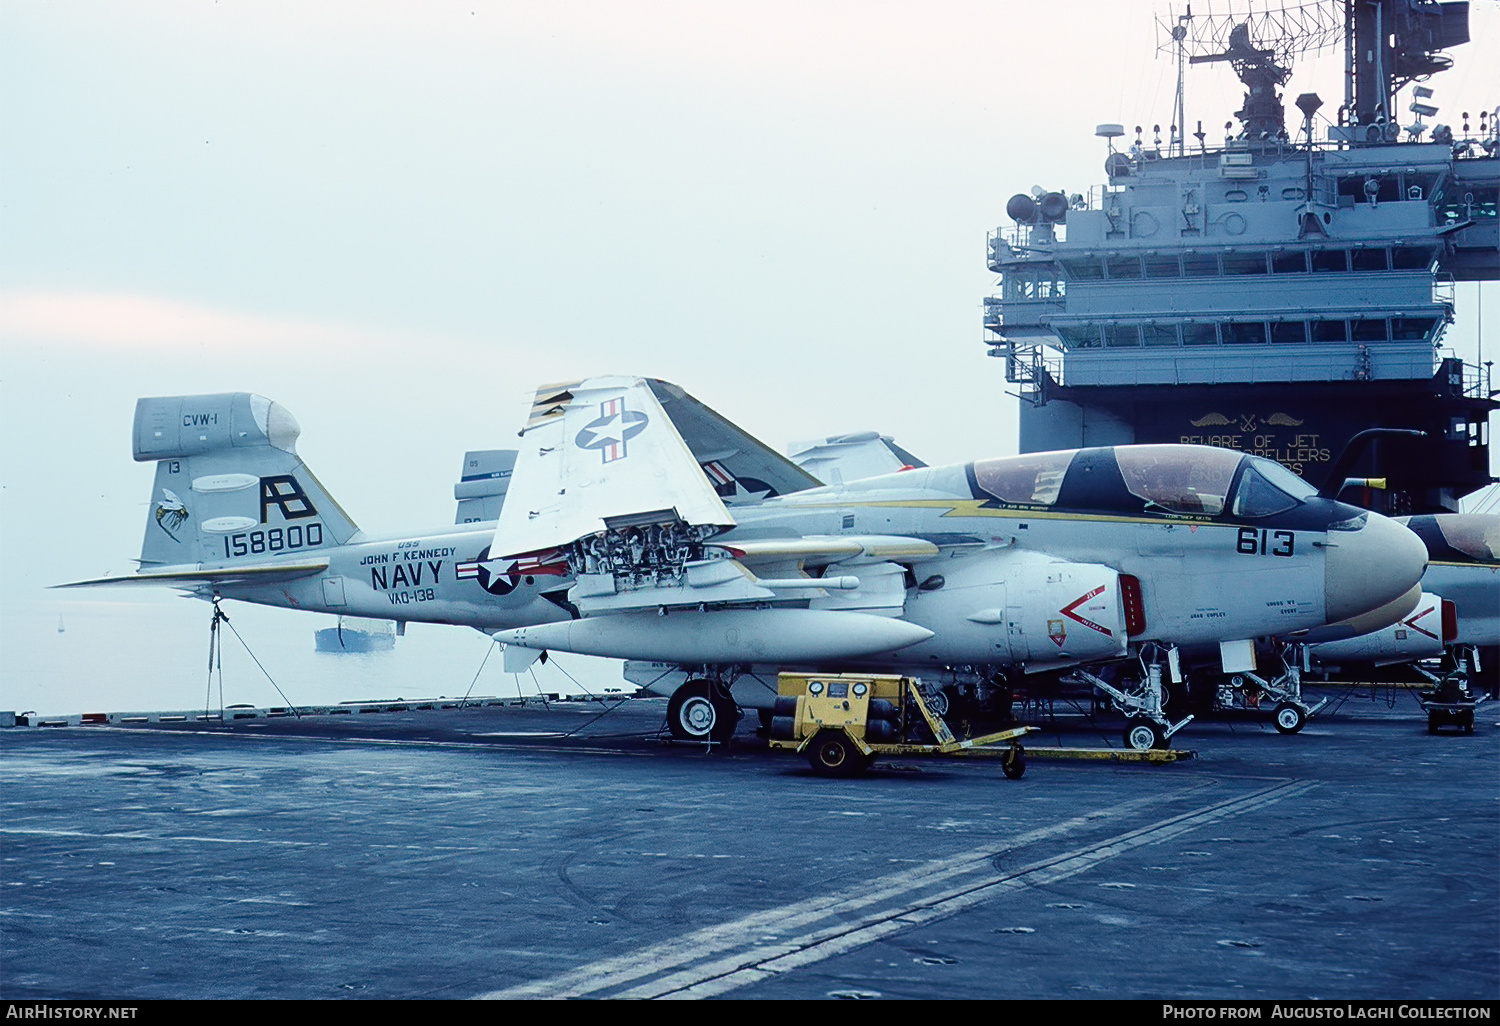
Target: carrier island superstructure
[1277,291]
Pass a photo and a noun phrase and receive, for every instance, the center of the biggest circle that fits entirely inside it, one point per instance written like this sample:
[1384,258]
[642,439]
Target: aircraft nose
[1371,568]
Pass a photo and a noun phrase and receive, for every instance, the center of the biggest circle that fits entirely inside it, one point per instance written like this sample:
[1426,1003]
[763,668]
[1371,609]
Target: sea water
[118,650]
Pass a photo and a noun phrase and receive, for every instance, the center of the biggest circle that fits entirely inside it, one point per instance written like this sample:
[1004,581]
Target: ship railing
[1468,146]
[1018,237]
[1474,381]
[1445,290]
[1027,364]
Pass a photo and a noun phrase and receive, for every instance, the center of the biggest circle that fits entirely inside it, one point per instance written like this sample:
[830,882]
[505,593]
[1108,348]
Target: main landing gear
[701,710]
[1148,726]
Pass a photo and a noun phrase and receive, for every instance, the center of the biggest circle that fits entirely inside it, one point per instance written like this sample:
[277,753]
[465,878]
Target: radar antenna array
[1259,39]
[1286,29]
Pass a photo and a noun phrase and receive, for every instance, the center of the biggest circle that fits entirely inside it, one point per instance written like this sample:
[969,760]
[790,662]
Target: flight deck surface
[551,852]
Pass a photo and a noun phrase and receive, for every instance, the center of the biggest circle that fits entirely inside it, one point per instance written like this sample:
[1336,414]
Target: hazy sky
[397,218]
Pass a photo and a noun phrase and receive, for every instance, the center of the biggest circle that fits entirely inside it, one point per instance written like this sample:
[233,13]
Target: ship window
[1199,335]
[1163,267]
[1198,265]
[1177,478]
[1289,332]
[1244,263]
[1079,338]
[1160,334]
[1369,260]
[1326,260]
[1289,263]
[1369,331]
[1474,534]
[1122,336]
[1124,267]
[1410,329]
[1034,478]
[1083,269]
[1242,333]
[1412,258]
[1330,331]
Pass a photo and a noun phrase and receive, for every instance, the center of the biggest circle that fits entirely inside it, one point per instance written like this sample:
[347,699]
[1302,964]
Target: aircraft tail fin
[229,485]
[482,485]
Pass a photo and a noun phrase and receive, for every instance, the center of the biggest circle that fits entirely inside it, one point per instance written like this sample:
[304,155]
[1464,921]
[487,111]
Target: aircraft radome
[616,538]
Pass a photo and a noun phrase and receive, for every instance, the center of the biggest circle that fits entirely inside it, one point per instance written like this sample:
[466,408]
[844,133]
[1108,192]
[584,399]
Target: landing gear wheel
[1468,721]
[1288,718]
[699,711]
[1014,766]
[833,754]
[1143,736]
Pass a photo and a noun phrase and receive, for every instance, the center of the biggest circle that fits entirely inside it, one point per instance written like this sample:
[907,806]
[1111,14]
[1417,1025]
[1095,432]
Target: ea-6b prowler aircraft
[616,538]
[1012,565]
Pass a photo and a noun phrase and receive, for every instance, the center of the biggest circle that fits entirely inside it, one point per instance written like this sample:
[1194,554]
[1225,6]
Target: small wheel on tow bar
[833,754]
[1144,735]
[1288,718]
[1014,765]
[700,711]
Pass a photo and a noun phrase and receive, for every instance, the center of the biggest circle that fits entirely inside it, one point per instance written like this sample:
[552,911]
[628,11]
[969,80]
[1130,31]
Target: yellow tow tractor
[842,721]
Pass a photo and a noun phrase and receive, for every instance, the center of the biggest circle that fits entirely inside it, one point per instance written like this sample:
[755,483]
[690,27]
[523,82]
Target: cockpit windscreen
[1267,488]
[1475,535]
[1177,478]
[1035,478]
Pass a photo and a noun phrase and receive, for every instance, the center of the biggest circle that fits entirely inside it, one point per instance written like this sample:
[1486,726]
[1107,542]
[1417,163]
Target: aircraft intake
[1023,607]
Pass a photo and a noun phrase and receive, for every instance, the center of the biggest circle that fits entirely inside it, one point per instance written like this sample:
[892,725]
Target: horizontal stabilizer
[596,455]
[222,575]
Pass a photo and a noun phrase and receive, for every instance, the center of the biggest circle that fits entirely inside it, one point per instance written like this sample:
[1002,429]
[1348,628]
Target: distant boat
[60,628]
[357,634]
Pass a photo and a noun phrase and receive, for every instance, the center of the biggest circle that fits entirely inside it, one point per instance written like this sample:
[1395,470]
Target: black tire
[1014,765]
[700,711]
[1288,718]
[834,754]
[1432,723]
[1143,735]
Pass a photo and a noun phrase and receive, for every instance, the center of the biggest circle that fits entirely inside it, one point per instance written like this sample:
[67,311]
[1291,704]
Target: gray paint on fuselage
[415,580]
[1194,576]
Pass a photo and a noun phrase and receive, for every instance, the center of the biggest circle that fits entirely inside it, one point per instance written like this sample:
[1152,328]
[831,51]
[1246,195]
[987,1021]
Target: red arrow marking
[1067,611]
[1412,623]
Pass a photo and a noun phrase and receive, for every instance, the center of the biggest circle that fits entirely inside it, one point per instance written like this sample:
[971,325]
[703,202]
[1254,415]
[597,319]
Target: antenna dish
[1110,131]
[1021,208]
